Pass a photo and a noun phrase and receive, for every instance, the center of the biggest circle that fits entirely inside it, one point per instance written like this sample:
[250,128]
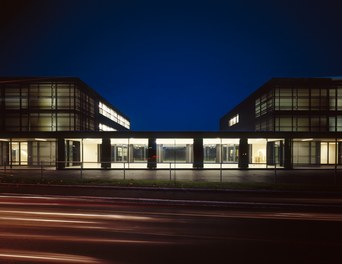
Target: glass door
[18,153]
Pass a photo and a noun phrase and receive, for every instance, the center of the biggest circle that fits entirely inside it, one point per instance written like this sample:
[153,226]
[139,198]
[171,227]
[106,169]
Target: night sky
[172,65]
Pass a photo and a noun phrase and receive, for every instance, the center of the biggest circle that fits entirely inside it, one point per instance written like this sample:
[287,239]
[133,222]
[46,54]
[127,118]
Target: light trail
[104,216]
[26,196]
[319,216]
[46,220]
[43,257]
[22,203]
[160,216]
[84,239]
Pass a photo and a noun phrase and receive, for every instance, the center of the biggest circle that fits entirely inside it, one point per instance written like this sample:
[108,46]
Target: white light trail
[45,220]
[110,216]
[81,239]
[38,256]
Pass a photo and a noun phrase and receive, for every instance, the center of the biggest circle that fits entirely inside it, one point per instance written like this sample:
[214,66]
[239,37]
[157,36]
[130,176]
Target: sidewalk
[297,176]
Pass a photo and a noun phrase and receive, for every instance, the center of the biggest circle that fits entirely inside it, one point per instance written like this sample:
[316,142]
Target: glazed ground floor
[163,150]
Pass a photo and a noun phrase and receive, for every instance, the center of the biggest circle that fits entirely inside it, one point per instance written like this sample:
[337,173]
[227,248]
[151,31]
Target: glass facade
[300,107]
[176,152]
[42,152]
[54,105]
[130,153]
[257,152]
[113,115]
[266,153]
[91,157]
[220,152]
[18,153]
[310,151]
[28,152]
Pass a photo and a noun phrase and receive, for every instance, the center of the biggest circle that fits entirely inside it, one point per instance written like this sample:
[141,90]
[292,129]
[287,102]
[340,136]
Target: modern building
[165,150]
[55,104]
[60,122]
[295,105]
[289,104]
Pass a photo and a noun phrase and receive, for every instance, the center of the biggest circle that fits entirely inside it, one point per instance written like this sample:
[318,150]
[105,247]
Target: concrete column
[270,151]
[281,153]
[105,153]
[152,154]
[29,152]
[288,153]
[243,153]
[198,153]
[339,150]
[60,154]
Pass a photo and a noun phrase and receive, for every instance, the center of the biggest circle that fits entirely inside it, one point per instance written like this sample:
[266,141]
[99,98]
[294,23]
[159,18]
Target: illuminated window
[112,115]
[103,127]
[174,150]
[234,120]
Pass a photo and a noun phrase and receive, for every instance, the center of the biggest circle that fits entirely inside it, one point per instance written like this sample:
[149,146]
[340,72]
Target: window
[301,123]
[264,104]
[103,127]
[12,99]
[284,123]
[257,107]
[65,121]
[234,120]
[332,123]
[332,99]
[339,123]
[112,115]
[210,153]
[230,153]
[139,153]
[339,98]
[283,98]
[174,150]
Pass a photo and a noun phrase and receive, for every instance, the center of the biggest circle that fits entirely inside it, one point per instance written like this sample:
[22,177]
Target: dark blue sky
[171,65]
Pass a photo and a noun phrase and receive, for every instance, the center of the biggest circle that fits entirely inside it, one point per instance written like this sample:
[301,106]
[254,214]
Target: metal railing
[173,172]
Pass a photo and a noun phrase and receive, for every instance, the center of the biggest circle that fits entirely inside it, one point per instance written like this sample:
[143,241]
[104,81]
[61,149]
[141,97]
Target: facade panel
[54,104]
[290,104]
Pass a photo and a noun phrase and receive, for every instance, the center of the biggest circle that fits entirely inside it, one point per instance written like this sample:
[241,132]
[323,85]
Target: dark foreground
[57,229]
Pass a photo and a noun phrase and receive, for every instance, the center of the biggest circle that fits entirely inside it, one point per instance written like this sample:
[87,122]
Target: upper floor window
[103,127]
[234,120]
[112,115]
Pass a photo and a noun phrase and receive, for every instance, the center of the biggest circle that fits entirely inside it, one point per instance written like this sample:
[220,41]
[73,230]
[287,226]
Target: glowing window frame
[112,115]
[234,120]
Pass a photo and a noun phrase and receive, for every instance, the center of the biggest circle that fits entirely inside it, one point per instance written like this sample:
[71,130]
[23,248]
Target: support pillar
[339,151]
[270,153]
[281,153]
[243,153]
[105,153]
[60,164]
[198,153]
[152,154]
[288,153]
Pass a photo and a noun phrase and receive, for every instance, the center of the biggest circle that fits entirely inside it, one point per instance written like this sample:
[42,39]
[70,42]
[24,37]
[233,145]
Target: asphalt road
[60,229]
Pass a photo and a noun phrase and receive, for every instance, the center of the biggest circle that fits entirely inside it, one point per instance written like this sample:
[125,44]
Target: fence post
[82,171]
[124,170]
[221,172]
[41,170]
[275,172]
[336,160]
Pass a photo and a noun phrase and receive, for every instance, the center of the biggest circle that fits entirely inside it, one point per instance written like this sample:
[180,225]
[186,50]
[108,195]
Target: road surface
[64,229]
